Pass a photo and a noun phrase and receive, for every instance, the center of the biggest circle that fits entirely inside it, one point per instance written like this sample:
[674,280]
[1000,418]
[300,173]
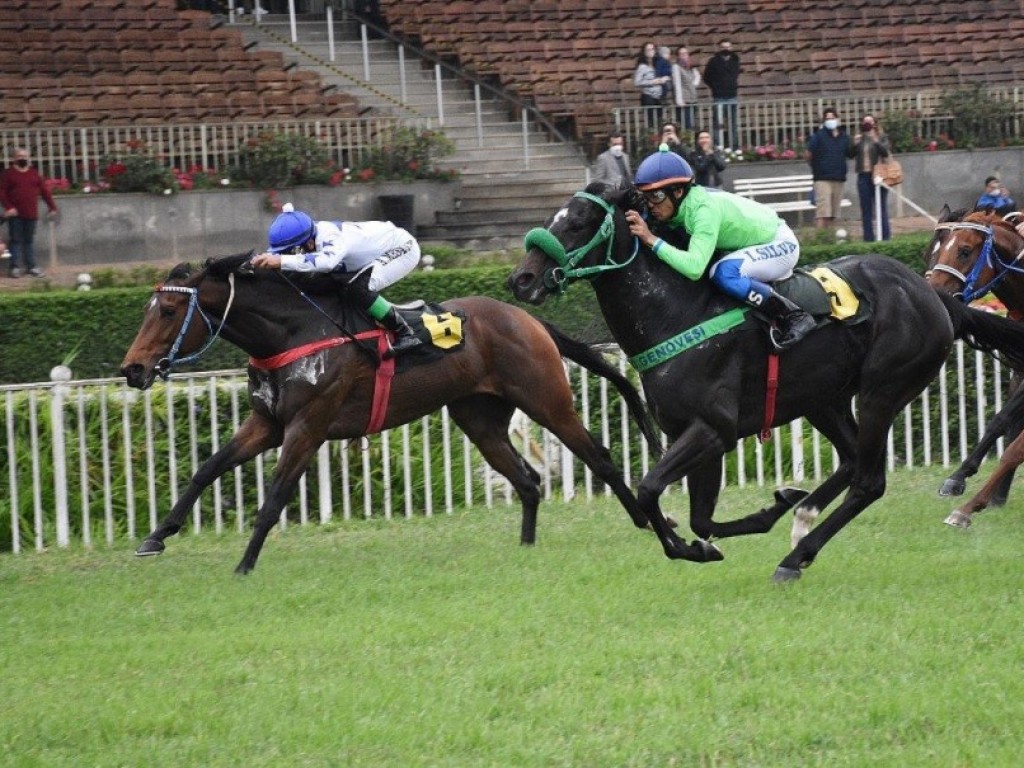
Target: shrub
[407,154]
[138,169]
[979,118]
[277,159]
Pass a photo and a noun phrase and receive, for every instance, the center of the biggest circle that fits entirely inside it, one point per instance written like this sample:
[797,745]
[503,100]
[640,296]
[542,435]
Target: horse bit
[987,257]
[164,365]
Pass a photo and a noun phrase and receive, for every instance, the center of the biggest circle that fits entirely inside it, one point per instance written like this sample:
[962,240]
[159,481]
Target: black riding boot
[791,322]
[358,292]
[405,337]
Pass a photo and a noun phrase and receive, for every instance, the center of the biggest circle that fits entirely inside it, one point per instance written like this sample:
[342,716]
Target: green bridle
[567,271]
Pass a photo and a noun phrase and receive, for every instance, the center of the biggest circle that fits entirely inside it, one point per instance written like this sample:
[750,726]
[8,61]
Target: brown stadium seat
[81,62]
[788,48]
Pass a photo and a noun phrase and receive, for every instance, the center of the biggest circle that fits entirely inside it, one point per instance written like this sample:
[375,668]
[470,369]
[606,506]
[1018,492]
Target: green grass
[441,642]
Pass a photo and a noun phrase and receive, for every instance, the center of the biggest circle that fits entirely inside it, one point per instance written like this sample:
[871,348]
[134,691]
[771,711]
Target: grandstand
[575,58]
[102,63]
[89,62]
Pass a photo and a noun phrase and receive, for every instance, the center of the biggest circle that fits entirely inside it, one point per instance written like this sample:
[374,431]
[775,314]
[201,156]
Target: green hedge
[95,328]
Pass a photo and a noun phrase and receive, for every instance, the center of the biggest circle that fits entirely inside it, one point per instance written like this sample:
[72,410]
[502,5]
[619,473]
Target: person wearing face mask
[21,186]
[613,164]
[827,151]
[870,146]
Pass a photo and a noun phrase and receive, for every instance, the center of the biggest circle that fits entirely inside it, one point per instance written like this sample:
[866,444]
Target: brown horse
[508,360]
[975,255]
[947,277]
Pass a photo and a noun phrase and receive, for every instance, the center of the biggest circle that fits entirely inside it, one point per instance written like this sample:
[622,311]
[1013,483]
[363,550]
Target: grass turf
[441,642]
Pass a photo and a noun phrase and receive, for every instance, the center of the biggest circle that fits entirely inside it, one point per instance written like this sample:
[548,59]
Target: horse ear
[945,212]
[633,200]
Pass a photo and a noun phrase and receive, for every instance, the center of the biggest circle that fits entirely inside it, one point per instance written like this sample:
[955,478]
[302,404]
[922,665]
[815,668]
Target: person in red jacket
[21,186]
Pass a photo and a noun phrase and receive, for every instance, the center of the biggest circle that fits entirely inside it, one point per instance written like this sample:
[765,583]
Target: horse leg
[1007,422]
[877,411]
[1008,463]
[256,435]
[692,454]
[560,418]
[300,444]
[485,420]
[1002,491]
[840,427]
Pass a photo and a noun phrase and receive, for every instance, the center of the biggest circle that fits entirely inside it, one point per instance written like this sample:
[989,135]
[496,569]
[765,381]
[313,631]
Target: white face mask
[616,149]
[831,125]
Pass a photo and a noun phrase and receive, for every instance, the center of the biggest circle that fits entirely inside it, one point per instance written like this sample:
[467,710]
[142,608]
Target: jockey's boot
[792,323]
[384,312]
[405,337]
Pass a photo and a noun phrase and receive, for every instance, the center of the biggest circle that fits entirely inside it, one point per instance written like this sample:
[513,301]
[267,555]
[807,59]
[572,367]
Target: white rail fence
[96,463]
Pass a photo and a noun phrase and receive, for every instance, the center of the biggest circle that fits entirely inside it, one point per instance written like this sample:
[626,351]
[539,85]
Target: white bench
[781,193]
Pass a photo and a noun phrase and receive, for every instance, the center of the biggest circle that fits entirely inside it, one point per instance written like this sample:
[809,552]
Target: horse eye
[167,312]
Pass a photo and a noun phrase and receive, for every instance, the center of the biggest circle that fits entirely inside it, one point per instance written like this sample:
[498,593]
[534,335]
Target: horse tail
[987,332]
[591,359]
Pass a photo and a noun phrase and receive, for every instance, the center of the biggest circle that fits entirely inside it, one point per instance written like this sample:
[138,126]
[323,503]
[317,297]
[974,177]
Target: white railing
[96,462]
[74,153]
[788,121]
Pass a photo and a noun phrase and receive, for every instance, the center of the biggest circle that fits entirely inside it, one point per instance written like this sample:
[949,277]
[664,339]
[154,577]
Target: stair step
[502,194]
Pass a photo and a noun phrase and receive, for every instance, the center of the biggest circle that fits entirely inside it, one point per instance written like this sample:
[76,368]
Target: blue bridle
[987,257]
[163,367]
[558,278]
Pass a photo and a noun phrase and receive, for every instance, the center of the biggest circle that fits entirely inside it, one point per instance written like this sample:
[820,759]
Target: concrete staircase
[506,189]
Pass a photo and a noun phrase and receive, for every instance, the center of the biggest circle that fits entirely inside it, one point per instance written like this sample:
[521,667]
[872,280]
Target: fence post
[60,375]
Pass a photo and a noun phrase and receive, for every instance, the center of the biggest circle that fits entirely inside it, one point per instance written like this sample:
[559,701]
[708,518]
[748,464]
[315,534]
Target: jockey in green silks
[759,246]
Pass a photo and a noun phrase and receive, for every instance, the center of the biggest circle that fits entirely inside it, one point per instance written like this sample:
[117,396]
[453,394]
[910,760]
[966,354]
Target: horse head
[586,238]
[973,254]
[170,333]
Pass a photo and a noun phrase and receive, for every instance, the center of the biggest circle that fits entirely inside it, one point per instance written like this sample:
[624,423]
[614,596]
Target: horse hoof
[785,575]
[709,552]
[150,547]
[952,487]
[958,519]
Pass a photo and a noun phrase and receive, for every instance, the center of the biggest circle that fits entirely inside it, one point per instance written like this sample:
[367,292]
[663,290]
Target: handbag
[890,171]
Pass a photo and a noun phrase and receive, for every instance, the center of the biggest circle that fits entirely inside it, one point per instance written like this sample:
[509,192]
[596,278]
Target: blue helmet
[662,169]
[290,230]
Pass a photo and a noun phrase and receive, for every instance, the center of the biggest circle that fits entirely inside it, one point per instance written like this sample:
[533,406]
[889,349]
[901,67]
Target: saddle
[826,294]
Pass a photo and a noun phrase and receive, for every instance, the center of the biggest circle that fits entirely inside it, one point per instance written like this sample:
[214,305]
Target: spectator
[663,69]
[377,253]
[996,197]
[613,164]
[646,79]
[722,77]
[708,163]
[870,146]
[828,150]
[21,186]
[670,136]
[685,79]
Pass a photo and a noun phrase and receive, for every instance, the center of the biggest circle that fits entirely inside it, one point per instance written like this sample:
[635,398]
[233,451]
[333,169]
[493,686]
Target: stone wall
[191,226]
